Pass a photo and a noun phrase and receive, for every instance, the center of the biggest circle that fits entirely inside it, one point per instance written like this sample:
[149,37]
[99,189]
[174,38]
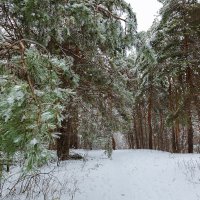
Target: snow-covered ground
[129,175]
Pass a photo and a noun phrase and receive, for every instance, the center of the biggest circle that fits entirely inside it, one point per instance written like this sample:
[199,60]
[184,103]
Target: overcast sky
[145,10]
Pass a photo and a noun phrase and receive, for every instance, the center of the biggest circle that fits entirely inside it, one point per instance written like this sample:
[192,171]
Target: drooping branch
[108,13]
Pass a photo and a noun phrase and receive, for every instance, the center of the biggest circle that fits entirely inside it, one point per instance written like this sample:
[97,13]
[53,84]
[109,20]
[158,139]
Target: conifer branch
[108,13]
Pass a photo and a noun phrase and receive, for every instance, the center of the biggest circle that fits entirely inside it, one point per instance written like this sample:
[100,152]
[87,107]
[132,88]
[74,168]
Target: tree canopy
[79,70]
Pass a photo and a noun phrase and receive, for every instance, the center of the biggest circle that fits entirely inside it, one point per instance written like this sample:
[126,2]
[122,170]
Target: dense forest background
[74,72]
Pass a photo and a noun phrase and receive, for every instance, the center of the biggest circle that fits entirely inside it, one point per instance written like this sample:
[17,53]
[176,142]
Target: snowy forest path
[136,175]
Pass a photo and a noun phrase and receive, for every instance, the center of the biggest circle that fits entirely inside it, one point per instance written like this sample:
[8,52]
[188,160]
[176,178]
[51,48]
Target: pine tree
[174,43]
[54,55]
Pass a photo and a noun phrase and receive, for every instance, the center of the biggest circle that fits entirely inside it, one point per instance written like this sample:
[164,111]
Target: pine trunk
[161,129]
[150,123]
[63,142]
[68,138]
[188,108]
[136,133]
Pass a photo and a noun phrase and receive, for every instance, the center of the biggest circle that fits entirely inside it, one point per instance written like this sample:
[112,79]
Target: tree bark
[140,127]
[136,133]
[68,138]
[63,142]
[190,133]
[188,109]
[113,143]
[161,129]
[171,108]
[150,123]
